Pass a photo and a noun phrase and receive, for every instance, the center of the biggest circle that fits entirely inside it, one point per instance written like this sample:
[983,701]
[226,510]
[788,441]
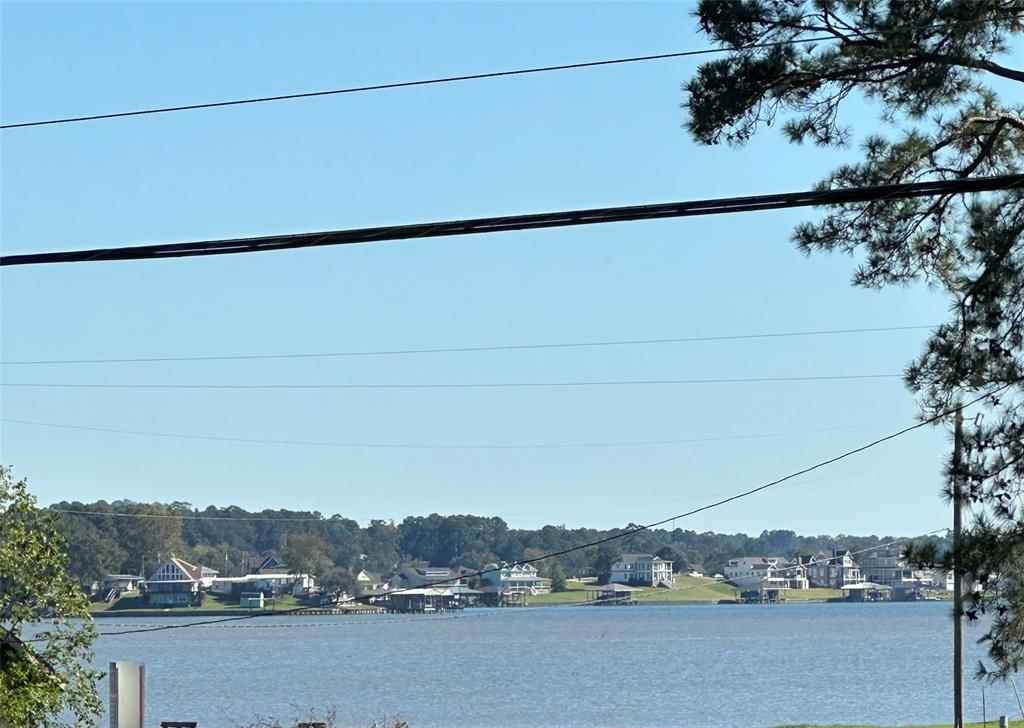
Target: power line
[455,385]
[464,349]
[484,225]
[636,529]
[717,580]
[404,84]
[433,446]
[444,79]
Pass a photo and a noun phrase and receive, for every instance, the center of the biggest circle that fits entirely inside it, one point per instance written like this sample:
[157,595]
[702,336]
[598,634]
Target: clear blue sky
[594,137]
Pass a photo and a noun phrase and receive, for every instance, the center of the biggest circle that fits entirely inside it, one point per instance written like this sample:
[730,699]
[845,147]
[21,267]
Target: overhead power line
[428,446]
[464,349]
[814,561]
[484,225]
[446,79]
[402,84]
[455,385]
[637,529]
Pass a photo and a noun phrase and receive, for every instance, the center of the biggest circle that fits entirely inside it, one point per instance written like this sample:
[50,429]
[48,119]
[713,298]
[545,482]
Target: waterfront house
[886,566]
[423,576]
[424,599]
[177,583]
[121,582]
[767,572]
[834,570]
[642,570]
[369,584]
[514,578]
[265,565]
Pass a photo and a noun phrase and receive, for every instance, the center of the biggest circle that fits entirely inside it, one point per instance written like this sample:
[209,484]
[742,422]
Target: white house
[642,569]
[177,583]
[514,578]
[369,584]
[775,572]
[298,585]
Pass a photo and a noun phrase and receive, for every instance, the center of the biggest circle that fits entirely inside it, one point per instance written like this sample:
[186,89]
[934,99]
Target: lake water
[584,667]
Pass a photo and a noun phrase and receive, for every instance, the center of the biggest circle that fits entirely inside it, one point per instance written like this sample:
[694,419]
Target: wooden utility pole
[958,596]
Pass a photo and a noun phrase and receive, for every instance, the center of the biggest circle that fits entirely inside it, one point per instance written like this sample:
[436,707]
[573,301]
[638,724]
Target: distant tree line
[334,548]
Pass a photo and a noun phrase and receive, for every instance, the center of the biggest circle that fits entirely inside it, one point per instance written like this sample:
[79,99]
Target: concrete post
[127,694]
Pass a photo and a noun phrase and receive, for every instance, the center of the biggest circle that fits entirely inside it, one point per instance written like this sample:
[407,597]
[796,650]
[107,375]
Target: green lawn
[798,595]
[212,602]
[688,589]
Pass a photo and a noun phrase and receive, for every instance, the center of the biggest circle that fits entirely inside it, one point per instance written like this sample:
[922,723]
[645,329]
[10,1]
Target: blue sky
[596,137]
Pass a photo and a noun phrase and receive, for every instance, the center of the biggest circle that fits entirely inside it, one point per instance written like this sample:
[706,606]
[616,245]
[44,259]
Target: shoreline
[320,612]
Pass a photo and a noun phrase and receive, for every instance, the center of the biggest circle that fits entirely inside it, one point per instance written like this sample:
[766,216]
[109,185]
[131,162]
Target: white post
[127,694]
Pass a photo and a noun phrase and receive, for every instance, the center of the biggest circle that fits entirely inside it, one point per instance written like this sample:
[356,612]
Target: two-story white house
[642,570]
[773,572]
[514,579]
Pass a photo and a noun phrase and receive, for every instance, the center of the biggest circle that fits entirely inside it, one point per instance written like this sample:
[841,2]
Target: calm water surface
[584,667]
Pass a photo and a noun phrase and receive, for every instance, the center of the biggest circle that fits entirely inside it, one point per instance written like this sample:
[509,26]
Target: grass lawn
[575,592]
[212,602]
[798,595]
[688,589]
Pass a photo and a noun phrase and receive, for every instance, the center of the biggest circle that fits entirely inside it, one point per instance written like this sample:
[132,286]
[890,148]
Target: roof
[121,576]
[192,572]
[423,590]
[639,557]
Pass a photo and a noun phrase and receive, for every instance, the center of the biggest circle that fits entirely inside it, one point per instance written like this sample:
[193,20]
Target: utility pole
[958,595]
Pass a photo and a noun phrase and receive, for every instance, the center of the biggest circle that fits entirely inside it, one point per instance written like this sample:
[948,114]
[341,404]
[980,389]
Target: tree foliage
[41,680]
[931,69]
[334,548]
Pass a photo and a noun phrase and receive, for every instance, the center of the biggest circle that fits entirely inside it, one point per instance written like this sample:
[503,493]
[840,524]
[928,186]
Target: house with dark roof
[369,584]
[642,570]
[512,578]
[265,565]
[177,583]
[426,576]
[834,570]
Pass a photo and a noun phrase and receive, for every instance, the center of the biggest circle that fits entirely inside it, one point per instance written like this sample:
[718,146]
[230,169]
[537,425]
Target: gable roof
[190,572]
[193,572]
[365,575]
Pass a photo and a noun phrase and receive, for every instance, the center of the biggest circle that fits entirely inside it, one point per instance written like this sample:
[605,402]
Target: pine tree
[933,70]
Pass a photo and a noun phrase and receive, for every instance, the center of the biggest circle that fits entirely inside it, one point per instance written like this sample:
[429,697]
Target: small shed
[251,600]
[867,591]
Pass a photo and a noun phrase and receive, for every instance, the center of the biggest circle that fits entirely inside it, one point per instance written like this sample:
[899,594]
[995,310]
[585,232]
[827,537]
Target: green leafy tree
[667,553]
[308,553]
[151,538]
[45,630]
[605,555]
[932,69]
[92,553]
[557,575]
